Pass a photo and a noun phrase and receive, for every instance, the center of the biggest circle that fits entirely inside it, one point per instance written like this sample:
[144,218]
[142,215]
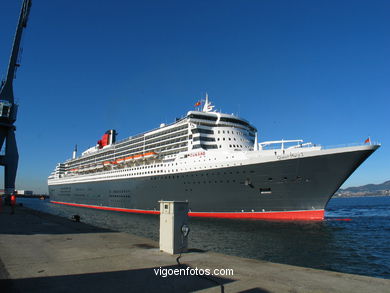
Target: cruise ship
[212,160]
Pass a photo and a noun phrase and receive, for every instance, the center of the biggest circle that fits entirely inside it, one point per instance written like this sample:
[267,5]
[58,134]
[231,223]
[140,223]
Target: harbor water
[354,238]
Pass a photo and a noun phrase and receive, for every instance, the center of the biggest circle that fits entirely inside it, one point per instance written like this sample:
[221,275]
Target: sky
[312,70]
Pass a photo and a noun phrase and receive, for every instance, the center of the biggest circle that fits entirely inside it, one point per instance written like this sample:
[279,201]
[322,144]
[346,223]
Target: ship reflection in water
[359,246]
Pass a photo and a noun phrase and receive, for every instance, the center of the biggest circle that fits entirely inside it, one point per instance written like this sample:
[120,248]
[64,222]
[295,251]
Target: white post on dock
[173,226]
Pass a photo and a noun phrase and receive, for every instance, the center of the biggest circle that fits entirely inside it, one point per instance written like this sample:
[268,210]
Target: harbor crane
[8,108]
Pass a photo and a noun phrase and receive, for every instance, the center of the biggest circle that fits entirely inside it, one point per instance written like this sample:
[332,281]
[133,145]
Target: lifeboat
[150,155]
[120,161]
[136,157]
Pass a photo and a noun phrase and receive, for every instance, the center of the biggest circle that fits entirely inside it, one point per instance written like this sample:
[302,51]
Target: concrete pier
[45,253]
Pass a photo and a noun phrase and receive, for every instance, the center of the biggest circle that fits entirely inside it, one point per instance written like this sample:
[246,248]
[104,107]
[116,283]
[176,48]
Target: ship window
[266,190]
[203,138]
[232,120]
[204,117]
[201,130]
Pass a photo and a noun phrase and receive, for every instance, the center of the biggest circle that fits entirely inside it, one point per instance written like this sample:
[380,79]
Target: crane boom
[6,92]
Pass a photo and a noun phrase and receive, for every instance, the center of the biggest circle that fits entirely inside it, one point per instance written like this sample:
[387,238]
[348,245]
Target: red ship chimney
[108,138]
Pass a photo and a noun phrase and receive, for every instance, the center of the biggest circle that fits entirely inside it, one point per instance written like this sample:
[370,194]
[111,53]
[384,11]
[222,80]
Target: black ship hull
[294,189]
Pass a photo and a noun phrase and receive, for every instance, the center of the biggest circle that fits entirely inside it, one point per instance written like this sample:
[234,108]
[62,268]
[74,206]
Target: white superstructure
[156,150]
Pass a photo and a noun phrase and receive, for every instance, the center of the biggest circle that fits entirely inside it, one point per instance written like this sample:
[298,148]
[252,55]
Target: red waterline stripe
[289,215]
[314,215]
[108,208]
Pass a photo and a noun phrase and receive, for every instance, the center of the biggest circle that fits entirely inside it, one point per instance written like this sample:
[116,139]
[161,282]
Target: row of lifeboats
[118,162]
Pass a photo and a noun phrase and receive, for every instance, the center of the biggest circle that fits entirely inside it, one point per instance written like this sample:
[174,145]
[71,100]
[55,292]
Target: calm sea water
[360,245]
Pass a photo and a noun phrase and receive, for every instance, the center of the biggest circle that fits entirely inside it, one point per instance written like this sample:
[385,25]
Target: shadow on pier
[29,222]
[135,280]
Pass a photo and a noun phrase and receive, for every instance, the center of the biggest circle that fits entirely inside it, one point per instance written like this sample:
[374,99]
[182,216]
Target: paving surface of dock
[45,253]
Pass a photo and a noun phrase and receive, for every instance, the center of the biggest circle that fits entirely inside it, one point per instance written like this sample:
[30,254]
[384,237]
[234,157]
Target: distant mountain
[369,189]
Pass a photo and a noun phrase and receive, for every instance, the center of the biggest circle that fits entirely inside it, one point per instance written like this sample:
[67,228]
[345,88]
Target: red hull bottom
[312,215]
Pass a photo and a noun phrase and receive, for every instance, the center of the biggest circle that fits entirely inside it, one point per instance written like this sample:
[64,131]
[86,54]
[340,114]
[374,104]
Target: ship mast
[207,107]
[8,108]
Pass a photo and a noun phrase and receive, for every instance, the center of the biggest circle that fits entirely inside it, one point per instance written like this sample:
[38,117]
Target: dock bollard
[173,226]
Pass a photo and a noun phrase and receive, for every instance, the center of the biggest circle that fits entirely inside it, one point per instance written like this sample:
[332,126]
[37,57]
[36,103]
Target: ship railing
[143,133]
[285,144]
[133,137]
[327,147]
